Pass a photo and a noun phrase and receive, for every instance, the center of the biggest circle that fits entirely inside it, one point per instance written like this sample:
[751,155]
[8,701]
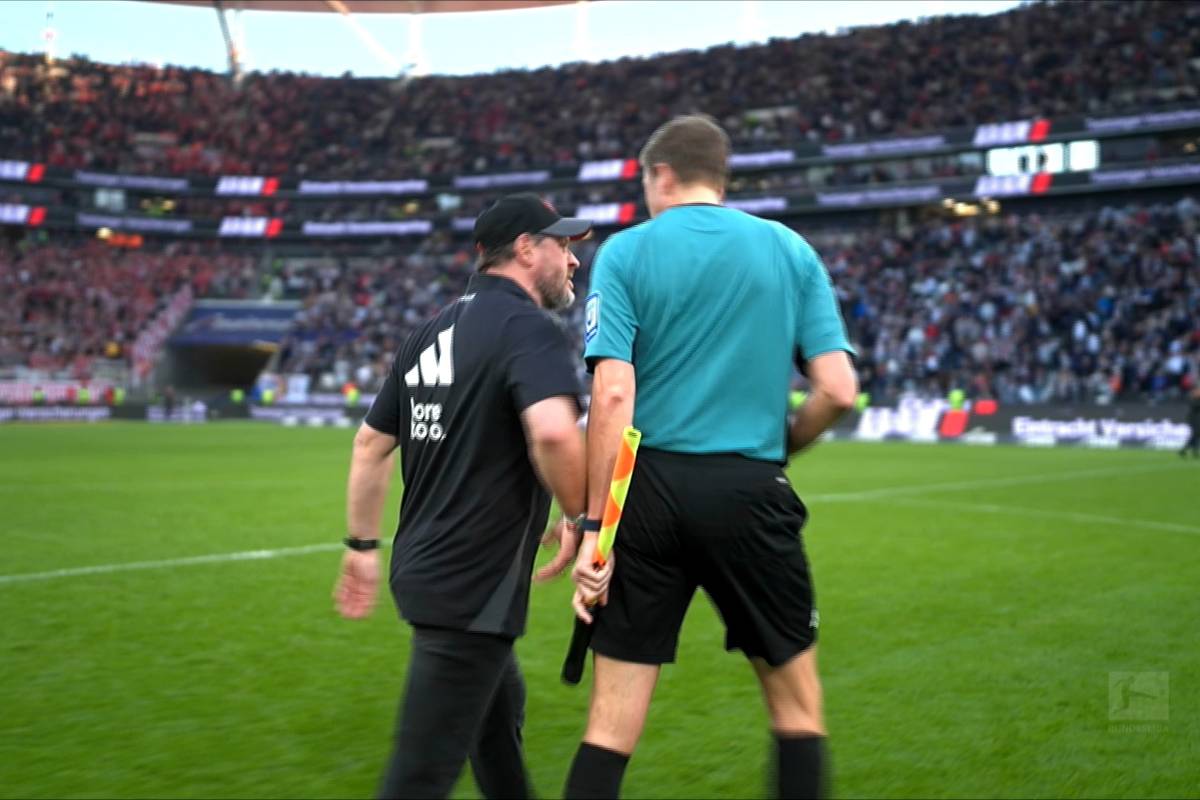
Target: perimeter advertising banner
[1140,427]
[988,422]
[55,414]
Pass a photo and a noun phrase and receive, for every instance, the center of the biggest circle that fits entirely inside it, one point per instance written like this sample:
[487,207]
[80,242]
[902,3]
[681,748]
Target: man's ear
[668,181]
[523,247]
[654,171]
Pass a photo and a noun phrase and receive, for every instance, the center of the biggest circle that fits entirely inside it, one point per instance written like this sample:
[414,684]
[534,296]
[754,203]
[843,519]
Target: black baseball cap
[514,214]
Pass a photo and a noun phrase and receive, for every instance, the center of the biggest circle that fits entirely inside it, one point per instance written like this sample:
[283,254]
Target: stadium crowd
[70,302]
[1073,306]
[358,310]
[1082,307]
[1039,59]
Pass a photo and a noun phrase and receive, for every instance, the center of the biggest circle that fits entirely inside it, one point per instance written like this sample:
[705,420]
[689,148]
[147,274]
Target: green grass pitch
[977,605]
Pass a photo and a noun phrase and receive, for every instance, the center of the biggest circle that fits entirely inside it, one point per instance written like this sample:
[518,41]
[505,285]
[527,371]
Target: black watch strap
[590,526]
[361,544]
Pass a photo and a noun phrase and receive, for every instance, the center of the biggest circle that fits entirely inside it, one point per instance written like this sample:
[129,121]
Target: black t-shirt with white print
[473,508]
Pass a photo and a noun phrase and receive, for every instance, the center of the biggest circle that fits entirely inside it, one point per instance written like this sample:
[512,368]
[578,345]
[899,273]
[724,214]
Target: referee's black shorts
[726,523]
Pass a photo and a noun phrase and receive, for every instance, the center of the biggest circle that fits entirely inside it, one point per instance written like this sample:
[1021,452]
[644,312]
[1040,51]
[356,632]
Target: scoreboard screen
[1053,158]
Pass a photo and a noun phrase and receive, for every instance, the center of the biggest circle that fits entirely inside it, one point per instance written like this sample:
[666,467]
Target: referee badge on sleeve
[591,317]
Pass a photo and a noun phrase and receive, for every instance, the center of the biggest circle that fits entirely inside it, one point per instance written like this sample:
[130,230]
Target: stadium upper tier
[1046,59]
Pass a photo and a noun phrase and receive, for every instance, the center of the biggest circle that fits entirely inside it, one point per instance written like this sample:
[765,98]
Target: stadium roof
[346,9]
[376,6]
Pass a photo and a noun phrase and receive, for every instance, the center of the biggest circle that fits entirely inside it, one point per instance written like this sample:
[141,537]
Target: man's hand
[834,387]
[591,584]
[566,536]
[354,594]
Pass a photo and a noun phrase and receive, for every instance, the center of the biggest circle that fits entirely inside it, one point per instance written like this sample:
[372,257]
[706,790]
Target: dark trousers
[1193,442]
[464,698]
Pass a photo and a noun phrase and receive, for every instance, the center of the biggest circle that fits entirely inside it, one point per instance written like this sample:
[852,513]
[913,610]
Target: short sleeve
[539,363]
[819,325]
[609,327]
[384,415]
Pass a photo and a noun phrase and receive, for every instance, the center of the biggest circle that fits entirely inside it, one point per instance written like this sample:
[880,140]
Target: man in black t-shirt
[482,402]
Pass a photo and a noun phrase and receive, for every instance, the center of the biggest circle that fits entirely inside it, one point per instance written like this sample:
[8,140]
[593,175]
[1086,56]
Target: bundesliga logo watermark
[1138,702]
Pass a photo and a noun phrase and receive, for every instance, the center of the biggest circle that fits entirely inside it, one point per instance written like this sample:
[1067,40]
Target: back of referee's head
[694,146]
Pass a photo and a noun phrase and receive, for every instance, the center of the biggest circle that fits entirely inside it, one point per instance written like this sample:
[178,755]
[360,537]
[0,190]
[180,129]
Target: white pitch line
[215,558]
[1073,516]
[132,486]
[982,483]
[886,492]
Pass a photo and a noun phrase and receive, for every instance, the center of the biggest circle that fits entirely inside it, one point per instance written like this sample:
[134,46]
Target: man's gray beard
[555,297]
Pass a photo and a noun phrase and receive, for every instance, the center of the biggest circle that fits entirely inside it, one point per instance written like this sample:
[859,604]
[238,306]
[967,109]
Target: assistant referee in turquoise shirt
[692,327]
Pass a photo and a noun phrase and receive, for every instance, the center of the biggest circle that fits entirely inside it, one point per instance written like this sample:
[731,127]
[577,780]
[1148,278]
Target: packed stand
[1084,307]
[68,303]
[357,310]
[1095,306]
[1042,59]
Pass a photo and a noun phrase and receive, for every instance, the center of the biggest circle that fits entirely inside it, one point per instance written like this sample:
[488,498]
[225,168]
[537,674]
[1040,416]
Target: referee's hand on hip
[354,593]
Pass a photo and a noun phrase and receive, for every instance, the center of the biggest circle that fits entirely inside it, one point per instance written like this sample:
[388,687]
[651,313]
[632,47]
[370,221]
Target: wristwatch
[575,523]
[361,545]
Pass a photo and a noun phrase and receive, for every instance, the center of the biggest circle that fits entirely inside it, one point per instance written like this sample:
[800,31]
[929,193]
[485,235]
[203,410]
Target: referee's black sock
[595,773]
[800,767]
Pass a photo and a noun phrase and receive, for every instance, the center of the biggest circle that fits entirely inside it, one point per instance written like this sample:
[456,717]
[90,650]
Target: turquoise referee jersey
[712,306]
